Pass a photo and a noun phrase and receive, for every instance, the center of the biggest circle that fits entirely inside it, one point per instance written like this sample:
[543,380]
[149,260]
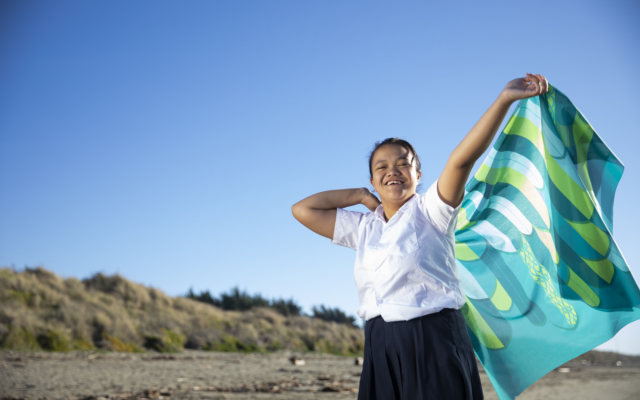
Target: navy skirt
[430,357]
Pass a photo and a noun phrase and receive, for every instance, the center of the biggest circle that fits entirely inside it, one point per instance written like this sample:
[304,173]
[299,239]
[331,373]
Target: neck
[391,207]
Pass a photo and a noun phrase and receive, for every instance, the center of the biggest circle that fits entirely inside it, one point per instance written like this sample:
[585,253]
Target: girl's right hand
[369,200]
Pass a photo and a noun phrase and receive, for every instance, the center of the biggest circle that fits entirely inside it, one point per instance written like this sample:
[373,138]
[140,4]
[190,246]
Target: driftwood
[297,361]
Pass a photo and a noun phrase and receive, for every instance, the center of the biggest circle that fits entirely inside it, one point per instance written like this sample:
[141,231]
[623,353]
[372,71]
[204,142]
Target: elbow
[297,211]
[302,213]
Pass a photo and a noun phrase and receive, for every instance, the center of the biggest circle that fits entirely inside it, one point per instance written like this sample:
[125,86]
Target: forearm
[479,138]
[332,199]
[455,173]
[318,212]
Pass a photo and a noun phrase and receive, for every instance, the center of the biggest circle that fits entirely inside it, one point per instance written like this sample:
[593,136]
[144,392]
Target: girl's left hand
[523,88]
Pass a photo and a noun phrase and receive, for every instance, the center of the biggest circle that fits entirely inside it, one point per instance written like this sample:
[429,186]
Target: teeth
[393,183]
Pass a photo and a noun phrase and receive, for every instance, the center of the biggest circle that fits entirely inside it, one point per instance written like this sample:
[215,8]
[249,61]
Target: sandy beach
[216,375]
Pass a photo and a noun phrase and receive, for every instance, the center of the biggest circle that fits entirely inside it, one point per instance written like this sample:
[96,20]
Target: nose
[393,170]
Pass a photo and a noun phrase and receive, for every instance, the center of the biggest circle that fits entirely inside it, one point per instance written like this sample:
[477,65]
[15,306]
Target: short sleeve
[442,215]
[346,231]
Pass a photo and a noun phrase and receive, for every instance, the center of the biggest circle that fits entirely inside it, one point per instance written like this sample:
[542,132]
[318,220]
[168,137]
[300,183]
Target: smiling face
[394,174]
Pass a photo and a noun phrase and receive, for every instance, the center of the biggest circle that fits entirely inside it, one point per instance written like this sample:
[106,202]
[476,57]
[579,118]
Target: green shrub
[122,347]
[20,339]
[82,345]
[275,346]
[231,344]
[26,298]
[356,349]
[167,342]
[53,341]
[309,342]
[299,345]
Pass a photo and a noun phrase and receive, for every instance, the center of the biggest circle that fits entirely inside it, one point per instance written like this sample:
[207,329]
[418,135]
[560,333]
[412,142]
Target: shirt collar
[380,210]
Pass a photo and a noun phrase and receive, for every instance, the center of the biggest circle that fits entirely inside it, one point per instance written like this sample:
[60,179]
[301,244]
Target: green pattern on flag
[544,279]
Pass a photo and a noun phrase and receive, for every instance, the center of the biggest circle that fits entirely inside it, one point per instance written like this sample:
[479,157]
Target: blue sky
[167,141]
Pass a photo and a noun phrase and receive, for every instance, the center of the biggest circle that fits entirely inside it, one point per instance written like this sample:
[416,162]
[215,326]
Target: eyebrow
[399,158]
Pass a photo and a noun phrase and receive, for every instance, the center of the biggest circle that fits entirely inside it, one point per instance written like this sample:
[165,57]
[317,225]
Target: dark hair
[399,142]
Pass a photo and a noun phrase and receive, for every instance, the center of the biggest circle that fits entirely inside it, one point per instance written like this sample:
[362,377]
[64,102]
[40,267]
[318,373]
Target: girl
[416,342]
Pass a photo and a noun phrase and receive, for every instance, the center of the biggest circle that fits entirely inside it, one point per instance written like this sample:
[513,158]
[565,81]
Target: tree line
[239,300]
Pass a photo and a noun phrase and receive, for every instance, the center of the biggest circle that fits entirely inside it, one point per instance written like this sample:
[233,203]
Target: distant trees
[333,314]
[286,307]
[240,300]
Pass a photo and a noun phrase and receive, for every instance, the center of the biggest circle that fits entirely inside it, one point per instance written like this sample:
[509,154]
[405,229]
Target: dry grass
[40,310]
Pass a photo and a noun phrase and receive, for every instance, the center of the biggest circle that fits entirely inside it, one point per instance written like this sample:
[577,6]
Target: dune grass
[41,311]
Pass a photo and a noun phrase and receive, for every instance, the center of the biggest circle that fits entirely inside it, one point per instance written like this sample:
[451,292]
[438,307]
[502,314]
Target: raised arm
[318,212]
[456,171]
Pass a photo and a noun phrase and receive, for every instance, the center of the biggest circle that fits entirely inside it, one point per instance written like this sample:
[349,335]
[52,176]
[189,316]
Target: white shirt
[405,268]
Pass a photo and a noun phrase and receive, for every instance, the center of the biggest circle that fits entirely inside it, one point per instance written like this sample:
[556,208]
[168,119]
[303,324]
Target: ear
[419,175]
[371,180]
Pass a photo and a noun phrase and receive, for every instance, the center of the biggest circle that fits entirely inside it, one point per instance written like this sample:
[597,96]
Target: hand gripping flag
[544,279]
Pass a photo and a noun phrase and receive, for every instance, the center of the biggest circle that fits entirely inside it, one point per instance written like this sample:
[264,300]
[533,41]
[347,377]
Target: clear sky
[167,141]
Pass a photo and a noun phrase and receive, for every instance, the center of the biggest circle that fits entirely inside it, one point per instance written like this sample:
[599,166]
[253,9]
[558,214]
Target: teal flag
[543,276]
